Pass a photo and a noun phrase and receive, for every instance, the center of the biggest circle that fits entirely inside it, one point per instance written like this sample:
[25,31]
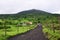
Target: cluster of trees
[34,16]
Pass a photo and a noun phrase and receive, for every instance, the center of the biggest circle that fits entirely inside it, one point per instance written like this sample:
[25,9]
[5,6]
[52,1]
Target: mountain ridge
[33,12]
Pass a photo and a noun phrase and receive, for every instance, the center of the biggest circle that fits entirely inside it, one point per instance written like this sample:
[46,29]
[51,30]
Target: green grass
[14,31]
[50,34]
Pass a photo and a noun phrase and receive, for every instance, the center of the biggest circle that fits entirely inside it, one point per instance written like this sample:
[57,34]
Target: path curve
[35,34]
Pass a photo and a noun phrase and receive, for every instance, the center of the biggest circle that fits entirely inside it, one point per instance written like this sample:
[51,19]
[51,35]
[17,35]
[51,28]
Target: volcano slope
[35,34]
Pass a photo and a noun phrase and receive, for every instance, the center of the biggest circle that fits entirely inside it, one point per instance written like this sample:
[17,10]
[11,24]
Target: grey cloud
[12,6]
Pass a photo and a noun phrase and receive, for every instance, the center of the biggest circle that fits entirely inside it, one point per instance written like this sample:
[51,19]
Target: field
[14,24]
[11,30]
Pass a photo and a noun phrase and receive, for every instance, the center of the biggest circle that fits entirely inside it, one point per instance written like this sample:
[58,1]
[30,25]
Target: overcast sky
[14,6]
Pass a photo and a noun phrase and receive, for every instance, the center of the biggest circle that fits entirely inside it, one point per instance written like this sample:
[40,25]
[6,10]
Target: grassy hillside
[12,24]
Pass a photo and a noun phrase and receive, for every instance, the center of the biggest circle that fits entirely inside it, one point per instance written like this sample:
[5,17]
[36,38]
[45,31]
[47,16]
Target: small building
[29,23]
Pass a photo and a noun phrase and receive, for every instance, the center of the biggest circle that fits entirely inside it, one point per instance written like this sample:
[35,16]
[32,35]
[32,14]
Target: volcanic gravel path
[35,34]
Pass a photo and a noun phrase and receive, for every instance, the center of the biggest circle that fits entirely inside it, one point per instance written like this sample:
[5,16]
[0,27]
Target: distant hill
[25,13]
[34,11]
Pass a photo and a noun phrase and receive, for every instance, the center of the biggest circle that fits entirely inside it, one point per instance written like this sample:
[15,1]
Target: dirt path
[35,34]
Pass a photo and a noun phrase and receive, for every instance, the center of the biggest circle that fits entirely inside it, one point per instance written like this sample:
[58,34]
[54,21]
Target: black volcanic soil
[35,34]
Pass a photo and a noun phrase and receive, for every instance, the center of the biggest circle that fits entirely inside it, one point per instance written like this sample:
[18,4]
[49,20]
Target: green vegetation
[12,24]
